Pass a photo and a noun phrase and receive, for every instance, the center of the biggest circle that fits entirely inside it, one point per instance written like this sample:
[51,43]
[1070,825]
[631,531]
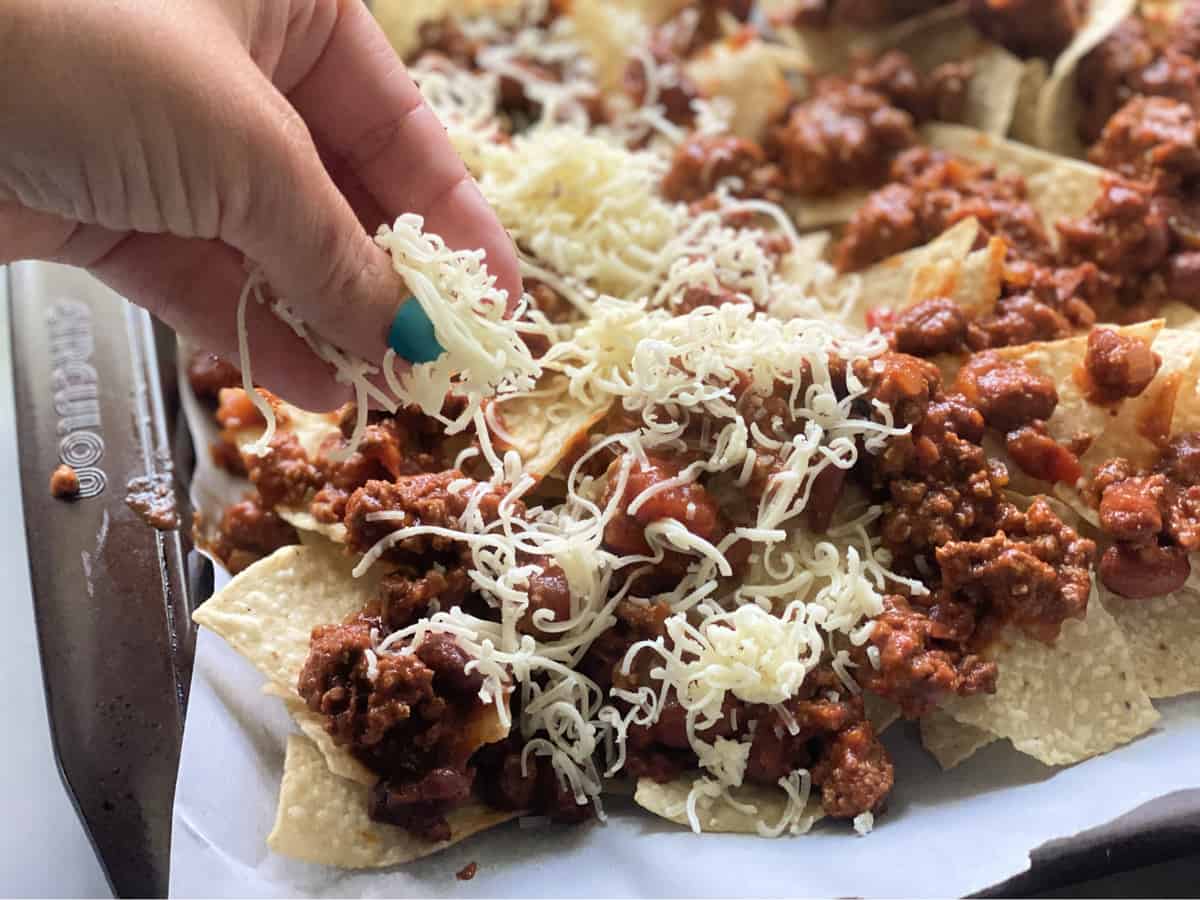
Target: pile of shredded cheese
[758,639]
[484,353]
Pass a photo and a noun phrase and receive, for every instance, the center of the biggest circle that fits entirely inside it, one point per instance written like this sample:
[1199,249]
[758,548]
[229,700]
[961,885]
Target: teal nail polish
[412,335]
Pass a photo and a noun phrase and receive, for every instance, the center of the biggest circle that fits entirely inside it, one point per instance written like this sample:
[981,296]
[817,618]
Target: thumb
[289,217]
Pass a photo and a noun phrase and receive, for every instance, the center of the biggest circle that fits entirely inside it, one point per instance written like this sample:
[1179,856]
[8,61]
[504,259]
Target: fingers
[194,287]
[27,234]
[363,107]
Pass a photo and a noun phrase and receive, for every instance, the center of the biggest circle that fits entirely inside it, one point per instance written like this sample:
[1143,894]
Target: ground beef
[703,161]
[548,590]
[842,137]
[1036,576]
[832,739]
[208,375]
[248,531]
[635,622]
[1008,394]
[1125,232]
[1040,303]
[1029,27]
[671,45]
[446,38]
[424,500]
[946,522]
[405,596]
[1131,62]
[1151,139]
[940,95]
[392,446]
[699,295]
[1117,367]
[1129,234]
[411,723]
[930,327]
[854,773]
[932,191]
[359,712]
[284,476]
[919,663]
[64,483]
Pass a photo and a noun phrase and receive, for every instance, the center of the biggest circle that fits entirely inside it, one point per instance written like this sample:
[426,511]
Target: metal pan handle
[110,592]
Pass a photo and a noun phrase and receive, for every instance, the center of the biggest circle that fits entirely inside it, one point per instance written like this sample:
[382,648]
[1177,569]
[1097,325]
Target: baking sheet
[946,834]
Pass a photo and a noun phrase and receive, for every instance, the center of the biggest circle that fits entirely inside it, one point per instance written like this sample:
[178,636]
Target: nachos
[845,389]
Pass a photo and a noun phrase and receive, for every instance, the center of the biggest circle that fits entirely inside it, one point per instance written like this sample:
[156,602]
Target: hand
[158,143]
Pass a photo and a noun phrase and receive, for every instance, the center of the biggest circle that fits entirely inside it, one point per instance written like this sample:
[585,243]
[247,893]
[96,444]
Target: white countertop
[44,850]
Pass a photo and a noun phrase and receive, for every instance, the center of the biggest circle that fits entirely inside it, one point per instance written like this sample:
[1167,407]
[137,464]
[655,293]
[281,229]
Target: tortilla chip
[1057,116]
[306,523]
[1064,703]
[1163,634]
[1058,188]
[312,726]
[548,425]
[314,431]
[267,612]
[608,32]
[1114,429]
[323,819]
[1182,316]
[1024,118]
[832,49]
[751,75]
[973,282]
[908,277]
[881,713]
[952,743]
[670,802]
[811,213]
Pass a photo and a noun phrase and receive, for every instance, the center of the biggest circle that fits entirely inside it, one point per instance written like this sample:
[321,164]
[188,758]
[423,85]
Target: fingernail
[412,335]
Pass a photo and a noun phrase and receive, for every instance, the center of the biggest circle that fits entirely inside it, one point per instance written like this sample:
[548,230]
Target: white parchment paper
[945,833]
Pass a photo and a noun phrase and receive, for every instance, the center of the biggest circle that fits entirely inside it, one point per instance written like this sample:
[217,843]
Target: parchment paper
[945,833]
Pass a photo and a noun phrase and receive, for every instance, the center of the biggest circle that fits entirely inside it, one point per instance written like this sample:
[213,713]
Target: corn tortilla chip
[751,75]
[312,726]
[811,213]
[905,277]
[267,612]
[832,49]
[306,523]
[881,713]
[314,431]
[323,819]
[1058,188]
[1163,634]
[950,742]
[717,817]
[1057,115]
[546,426]
[1064,703]
[1113,428]
[1024,119]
